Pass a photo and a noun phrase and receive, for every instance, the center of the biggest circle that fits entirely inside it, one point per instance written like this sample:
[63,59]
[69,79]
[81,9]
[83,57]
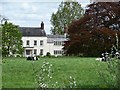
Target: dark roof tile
[32,31]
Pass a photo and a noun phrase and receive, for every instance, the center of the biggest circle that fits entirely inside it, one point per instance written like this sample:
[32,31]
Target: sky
[30,13]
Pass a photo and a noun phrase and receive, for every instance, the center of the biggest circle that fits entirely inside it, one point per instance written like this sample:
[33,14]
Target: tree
[96,31]
[11,39]
[2,19]
[105,14]
[67,12]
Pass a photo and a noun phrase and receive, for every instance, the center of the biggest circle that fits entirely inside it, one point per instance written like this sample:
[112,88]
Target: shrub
[48,54]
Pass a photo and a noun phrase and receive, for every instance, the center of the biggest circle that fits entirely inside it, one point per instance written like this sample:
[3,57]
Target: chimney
[65,30]
[42,25]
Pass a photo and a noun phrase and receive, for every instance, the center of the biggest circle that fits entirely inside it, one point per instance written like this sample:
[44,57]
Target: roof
[55,36]
[52,38]
[32,31]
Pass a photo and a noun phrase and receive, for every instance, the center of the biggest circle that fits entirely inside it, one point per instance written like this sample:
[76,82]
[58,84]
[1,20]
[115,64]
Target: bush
[48,54]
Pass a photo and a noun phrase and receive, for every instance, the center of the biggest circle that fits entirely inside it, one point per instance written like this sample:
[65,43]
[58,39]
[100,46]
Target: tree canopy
[11,39]
[67,12]
[96,31]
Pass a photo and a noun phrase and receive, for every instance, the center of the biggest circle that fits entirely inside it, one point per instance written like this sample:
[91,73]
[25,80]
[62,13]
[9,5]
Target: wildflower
[43,69]
[51,65]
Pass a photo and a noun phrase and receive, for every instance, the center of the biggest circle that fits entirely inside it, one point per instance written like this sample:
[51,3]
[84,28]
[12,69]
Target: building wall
[31,46]
[51,48]
[47,47]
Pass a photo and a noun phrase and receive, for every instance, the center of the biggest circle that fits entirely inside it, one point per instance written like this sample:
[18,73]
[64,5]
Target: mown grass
[19,73]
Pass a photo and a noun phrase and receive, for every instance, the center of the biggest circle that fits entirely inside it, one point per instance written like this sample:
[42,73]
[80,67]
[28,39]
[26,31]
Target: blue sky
[30,13]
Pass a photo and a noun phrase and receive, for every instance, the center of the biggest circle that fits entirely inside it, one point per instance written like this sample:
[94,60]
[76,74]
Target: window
[27,52]
[35,51]
[41,42]
[35,42]
[57,43]
[54,42]
[41,51]
[27,42]
[57,52]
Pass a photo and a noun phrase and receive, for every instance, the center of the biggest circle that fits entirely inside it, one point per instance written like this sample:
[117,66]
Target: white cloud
[24,17]
[34,16]
[41,0]
[25,5]
[84,5]
[34,9]
[31,0]
[1,8]
[54,10]
[31,12]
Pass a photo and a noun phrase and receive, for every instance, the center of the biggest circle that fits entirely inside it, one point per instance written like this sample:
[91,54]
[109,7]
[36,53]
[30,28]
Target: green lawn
[18,72]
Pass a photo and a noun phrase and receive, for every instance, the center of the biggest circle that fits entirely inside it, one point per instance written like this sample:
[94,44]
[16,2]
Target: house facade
[37,42]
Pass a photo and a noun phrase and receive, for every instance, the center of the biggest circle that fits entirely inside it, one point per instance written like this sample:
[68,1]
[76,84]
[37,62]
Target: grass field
[19,73]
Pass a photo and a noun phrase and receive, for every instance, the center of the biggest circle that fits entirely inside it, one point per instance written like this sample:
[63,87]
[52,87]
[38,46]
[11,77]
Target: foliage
[0,39]
[72,83]
[113,68]
[11,39]
[45,75]
[2,19]
[96,31]
[19,71]
[67,12]
[112,74]
[48,54]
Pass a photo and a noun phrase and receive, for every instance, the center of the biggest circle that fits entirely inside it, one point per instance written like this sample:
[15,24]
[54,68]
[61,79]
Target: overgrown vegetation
[44,75]
[113,67]
[68,72]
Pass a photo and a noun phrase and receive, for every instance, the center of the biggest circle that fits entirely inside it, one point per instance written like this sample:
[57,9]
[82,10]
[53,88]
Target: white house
[36,42]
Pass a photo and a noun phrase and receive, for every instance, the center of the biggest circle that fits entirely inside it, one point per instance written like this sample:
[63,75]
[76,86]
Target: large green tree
[68,11]
[2,20]
[11,39]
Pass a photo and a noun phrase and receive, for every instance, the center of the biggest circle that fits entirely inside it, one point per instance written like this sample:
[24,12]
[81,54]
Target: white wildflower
[51,65]
[43,69]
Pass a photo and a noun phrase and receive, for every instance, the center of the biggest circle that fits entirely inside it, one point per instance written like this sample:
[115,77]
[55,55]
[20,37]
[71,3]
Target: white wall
[47,47]
[38,46]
